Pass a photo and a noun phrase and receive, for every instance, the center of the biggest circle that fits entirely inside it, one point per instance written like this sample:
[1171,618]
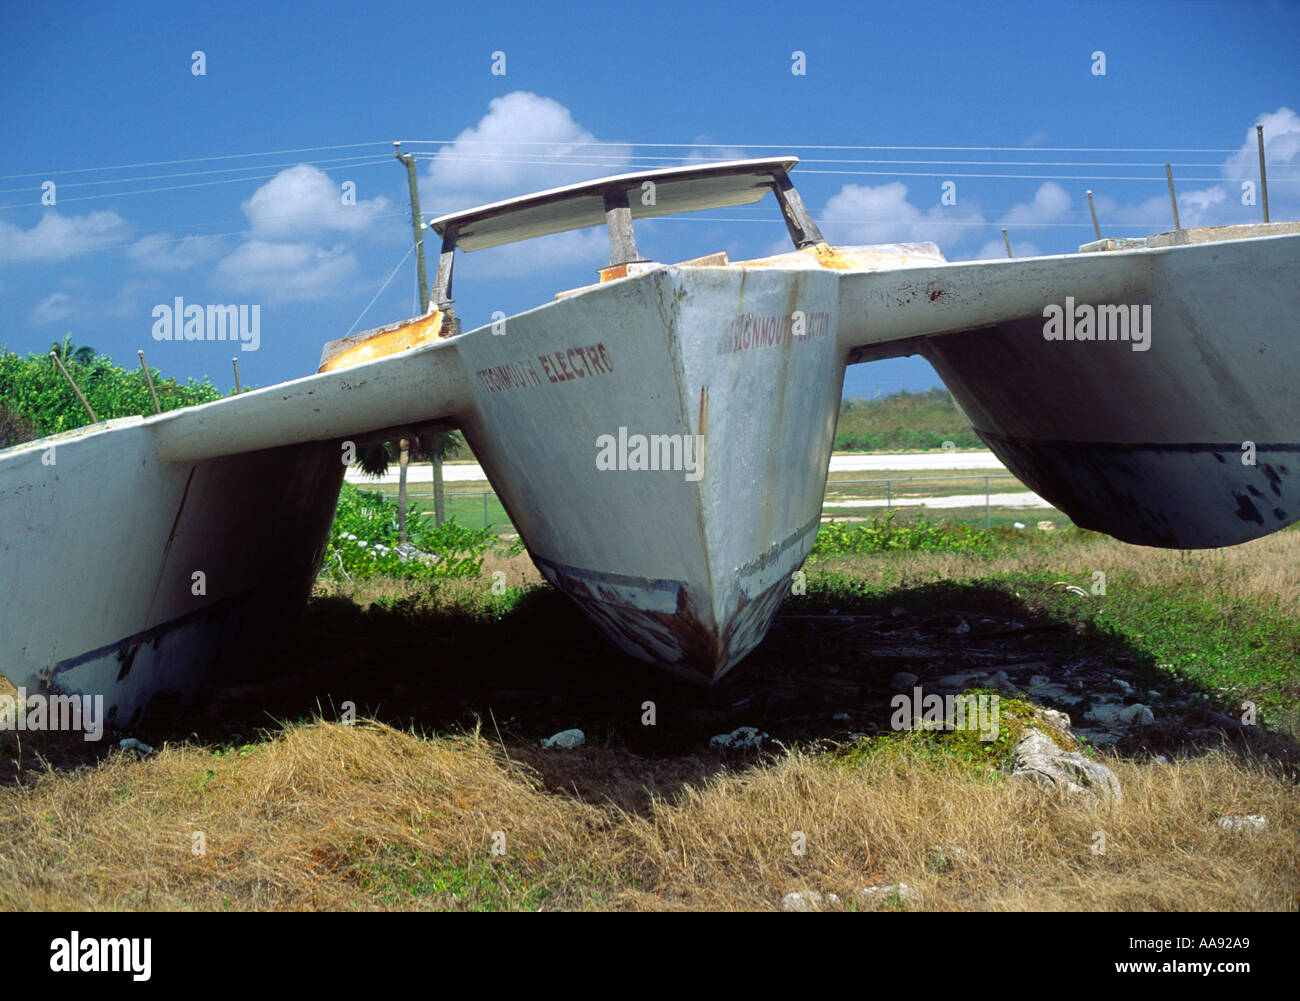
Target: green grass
[902,421]
[398,877]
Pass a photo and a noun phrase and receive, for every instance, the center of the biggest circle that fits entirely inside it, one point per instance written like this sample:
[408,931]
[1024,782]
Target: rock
[941,858]
[1137,715]
[1038,680]
[1000,681]
[842,717]
[1105,713]
[1018,526]
[1160,759]
[407,552]
[960,680]
[131,744]
[896,611]
[803,901]
[1039,760]
[742,738]
[961,629]
[902,680]
[1058,721]
[1122,685]
[900,892]
[1046,526]
[1098,738]
[565,740]
[1253,823]
[1056,692]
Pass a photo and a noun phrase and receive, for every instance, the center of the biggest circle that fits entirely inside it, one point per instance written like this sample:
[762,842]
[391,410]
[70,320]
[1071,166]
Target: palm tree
[374,460]
[69,352]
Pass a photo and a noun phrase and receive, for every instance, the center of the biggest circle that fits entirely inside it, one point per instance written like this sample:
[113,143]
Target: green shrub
[364,538]
[888,532]
[34,390]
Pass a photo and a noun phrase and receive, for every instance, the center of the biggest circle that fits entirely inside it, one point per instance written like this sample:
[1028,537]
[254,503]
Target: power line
[183,187]
[196,159]
[338,160]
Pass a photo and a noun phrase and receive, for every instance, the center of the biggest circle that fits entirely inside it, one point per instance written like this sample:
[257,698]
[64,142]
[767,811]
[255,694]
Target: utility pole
[417,224]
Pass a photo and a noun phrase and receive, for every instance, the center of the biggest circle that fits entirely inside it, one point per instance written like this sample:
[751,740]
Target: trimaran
[1177,426]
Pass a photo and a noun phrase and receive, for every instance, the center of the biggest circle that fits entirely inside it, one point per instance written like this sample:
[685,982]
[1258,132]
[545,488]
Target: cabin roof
[577,206]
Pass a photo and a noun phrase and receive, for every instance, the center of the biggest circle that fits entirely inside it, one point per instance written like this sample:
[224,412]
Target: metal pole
[57,361]
[1007,241]
[1172,200]
[485,520]
[149,379]
[889,494]
[1093,209]
[417,225]
[1263,176]
[987,523]
[235,362]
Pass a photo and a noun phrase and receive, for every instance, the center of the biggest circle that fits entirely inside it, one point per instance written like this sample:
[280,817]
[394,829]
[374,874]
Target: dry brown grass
[331,816]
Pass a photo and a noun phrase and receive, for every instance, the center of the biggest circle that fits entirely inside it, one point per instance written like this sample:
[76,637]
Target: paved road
[464,472]
[1024,499]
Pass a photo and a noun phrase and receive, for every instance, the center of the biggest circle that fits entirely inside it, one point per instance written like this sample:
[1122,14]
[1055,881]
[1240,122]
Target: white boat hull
[681,571]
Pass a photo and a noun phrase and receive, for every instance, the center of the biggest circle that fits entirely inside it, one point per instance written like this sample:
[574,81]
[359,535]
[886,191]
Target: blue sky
[915,94]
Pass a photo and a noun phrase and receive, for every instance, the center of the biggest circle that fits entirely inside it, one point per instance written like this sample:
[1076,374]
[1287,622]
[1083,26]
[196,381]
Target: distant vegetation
[902,421]
[36,400]
[364,541]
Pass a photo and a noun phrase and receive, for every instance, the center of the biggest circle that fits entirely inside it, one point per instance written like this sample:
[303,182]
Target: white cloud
[866,214]
[163,252]
[524,143]
[302,200]
[57,237]
[59,306]
[547,253]
[286,271]
[997,250]
[1050,204]
[54,307]
[1281,146]
[711,152]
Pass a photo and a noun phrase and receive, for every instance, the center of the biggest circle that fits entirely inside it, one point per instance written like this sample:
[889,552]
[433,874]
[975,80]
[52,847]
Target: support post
[442,280]
[1007,240]
[59,362]
[149,379]
[1093,209]
[803,231]
[618,220]
[235,363]
[1263,175]
[403,460]
[1172,199]
[417,225]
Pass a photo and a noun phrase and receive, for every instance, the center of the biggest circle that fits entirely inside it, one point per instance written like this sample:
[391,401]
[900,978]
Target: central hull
[686,573]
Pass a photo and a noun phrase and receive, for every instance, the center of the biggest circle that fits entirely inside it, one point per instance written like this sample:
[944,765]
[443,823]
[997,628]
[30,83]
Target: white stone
[882,894]
[740,739]
[565,740]
[1254,822]
[803,901]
